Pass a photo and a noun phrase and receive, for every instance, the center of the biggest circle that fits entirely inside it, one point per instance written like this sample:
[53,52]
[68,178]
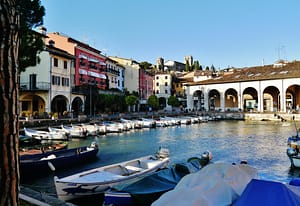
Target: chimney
[43,30]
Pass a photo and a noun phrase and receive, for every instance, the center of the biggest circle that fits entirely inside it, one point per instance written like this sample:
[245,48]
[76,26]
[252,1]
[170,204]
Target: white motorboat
[98,180]
[75,131]
[91,129]
[44,135]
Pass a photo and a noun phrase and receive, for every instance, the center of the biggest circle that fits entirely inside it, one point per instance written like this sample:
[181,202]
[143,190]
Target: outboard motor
[291,151]
[207,155]
[162,153]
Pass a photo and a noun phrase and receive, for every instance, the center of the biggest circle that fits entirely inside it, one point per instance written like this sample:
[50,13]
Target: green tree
[153,102]
[173,101]
[212,68]
[9,141]
[196,65]
[31,42]
[131,100]
[145,65]
[187,66]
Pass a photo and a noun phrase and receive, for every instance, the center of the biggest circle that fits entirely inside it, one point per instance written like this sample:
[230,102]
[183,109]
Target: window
[55,80]
[65,64]
[157,77]
[157,91]
[166,83]
[166,77]
[166,91]
[157,84]
[32,81]
[55,62]
[65,81]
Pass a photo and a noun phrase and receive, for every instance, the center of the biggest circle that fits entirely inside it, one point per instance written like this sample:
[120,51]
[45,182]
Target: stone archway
[59,104]
[293,98]
[231,100]
[77,106]
[162,102]
[198,100]
[214,101]
[271,101]
[250,99]
[32,105]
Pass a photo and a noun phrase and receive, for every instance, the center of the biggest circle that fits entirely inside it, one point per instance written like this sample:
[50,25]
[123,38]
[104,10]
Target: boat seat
[133,168]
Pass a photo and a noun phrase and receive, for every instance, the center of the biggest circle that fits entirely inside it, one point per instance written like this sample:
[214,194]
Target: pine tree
[9,167]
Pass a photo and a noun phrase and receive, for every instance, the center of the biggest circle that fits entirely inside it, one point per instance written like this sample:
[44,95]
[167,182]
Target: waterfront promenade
[249,116]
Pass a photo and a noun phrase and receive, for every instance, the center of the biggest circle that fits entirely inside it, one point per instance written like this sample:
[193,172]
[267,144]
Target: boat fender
[295,182]
[51,166]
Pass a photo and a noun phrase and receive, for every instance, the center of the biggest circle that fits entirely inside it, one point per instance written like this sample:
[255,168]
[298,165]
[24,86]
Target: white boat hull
[98,180]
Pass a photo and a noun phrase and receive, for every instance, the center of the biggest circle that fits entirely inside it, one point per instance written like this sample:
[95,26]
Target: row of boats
[83,130]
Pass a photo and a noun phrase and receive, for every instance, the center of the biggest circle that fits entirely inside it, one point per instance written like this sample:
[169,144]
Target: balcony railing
[45,86]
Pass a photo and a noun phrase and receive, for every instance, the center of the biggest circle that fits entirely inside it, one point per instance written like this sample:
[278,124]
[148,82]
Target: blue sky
[222,33]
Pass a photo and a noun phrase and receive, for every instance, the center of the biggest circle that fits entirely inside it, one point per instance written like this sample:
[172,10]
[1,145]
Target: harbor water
[261,143]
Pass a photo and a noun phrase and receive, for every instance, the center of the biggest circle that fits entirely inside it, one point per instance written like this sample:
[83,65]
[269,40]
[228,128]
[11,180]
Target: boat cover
[263,192]
[148,189]
[160,181]
[215,184]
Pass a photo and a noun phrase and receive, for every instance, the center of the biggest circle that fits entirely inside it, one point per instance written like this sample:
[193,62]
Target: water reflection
[262,144]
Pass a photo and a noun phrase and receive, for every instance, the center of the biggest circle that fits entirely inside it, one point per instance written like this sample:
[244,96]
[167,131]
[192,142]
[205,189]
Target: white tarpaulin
[216,184]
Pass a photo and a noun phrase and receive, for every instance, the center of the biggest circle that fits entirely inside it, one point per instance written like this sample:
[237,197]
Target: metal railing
[31,87]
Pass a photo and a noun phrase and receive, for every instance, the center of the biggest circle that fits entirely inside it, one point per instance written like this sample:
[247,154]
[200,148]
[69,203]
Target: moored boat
[75,131]
[42,163]
[42,148]
[98,180]
[44,135]
[148,189]
[293,151]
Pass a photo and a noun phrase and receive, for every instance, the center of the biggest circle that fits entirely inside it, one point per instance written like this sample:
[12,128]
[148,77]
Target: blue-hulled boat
[55,160]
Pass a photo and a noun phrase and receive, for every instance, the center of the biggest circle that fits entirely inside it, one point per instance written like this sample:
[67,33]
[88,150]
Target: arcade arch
[292,96]
[231,99]
[213,99]
[250,99]
[198,100]
[32,103]
[77,106]
[162,102]
[59,104]
[271,99]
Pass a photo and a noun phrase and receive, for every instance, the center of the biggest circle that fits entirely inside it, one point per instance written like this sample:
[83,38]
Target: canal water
[262,144]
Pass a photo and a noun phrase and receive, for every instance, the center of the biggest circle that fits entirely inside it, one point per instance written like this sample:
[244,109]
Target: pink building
[145,84]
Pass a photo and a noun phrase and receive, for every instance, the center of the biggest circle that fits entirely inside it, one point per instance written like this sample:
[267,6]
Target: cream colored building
[131,74]
[162,87]
[46,87]
[115,74]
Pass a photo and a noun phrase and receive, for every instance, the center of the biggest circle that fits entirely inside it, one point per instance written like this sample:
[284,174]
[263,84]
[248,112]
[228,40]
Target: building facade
[46,87]
[269,88]
[162,87]
[131,73]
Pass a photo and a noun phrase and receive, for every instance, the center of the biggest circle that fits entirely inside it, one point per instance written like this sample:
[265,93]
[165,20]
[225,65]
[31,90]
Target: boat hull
[54,160]
[98,180]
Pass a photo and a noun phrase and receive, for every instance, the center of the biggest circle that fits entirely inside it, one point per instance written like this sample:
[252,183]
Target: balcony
[40,86]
